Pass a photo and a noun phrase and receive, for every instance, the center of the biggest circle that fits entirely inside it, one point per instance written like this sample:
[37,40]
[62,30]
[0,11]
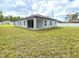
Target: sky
[57,9]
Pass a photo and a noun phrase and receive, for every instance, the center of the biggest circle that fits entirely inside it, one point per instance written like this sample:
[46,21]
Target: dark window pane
[20,22]
[45,22]
[50,22]
[24,22]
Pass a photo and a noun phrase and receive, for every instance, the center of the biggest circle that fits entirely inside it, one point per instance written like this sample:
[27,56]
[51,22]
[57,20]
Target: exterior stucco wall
[0,23]
[67,24]
[38,23]
[41,23]
[16,23]
[6,22]
[48,23]
[21,23]
[24,25]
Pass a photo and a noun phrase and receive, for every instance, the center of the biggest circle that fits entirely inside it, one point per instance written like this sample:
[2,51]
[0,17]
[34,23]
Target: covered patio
[35,23]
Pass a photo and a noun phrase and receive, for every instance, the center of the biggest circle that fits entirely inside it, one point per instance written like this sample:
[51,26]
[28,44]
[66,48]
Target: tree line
[71,17]
[8,18]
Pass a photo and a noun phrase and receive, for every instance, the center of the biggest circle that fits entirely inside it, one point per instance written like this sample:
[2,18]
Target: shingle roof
[40,16]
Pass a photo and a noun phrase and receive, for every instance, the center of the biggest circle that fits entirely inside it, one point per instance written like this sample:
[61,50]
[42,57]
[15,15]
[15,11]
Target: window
[24,22]
[14,23]
[55,22]
[50,23]
[19,22]
[45,22]
[30,23]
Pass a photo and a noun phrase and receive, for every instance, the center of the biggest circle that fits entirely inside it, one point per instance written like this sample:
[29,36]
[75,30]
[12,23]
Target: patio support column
[26,24]
[35,23]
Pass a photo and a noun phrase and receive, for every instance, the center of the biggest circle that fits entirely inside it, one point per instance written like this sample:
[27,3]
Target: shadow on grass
[50,29]
[47,30]
[41,30]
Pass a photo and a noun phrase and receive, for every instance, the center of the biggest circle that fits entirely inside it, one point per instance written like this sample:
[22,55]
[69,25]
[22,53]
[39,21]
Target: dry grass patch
[55,42]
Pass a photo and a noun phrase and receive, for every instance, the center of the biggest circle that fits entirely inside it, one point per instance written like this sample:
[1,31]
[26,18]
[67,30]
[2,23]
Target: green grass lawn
[55,42]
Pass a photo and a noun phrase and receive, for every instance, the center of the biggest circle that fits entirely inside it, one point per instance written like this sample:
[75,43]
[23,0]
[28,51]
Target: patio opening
[30,23]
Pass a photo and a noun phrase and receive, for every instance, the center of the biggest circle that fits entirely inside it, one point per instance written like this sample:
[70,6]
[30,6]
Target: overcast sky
[45,7]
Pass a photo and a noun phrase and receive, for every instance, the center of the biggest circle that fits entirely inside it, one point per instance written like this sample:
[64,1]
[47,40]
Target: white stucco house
[36,22]
[6,22]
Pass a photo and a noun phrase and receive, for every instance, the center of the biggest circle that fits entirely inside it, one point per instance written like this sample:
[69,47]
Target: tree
[6,18]
[16,18]
[1,16]
[71,17]
[12,18]
[75,16]
[67,18]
